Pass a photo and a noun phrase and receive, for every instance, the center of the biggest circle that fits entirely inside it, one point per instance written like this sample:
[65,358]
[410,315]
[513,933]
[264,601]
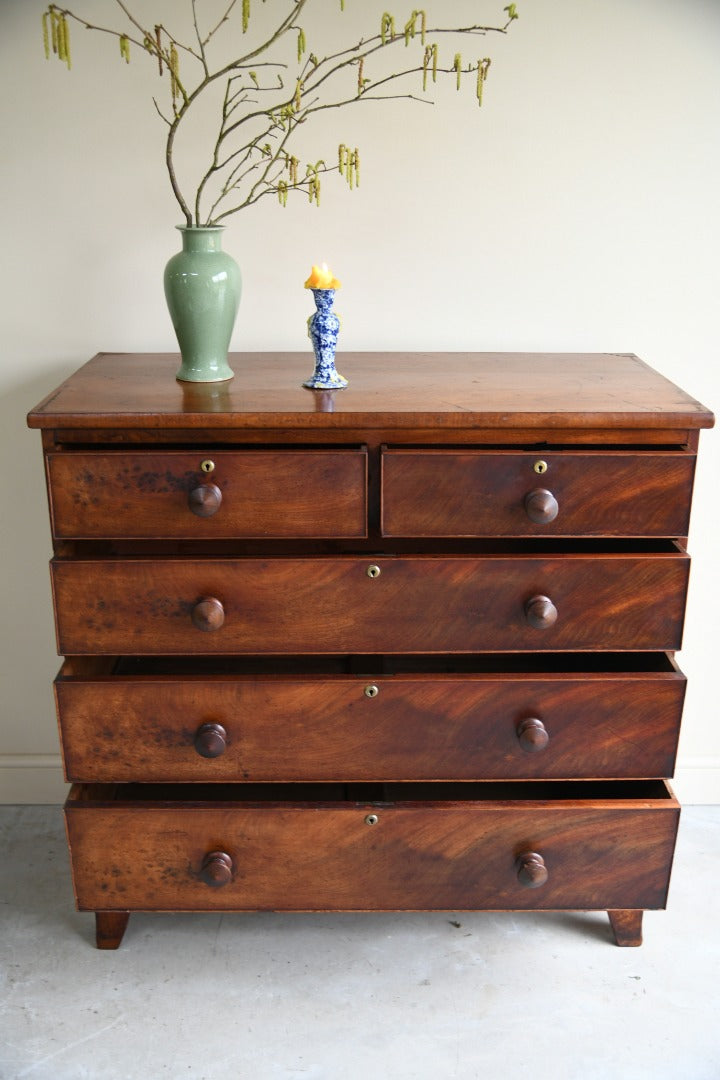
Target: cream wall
[577,210]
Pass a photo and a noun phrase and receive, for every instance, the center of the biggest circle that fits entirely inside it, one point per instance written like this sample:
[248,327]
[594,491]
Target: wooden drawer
[374,847]
[165,494]
[561,717]
[349,604]
[428,492]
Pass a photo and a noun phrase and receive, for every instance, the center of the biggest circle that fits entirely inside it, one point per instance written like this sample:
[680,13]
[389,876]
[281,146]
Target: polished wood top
[387,390]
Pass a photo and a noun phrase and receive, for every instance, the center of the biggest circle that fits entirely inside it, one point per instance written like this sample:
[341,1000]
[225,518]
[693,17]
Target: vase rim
[200,228]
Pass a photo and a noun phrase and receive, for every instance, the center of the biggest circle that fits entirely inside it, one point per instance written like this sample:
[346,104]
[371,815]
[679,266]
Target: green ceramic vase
[202,289]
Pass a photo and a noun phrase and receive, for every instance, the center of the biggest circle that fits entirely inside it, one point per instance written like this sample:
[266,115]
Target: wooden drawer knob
[211,740]
[208,614]
[205,499]
[541,506]
[217,869]
[531,870]
[540,612]
[532,735]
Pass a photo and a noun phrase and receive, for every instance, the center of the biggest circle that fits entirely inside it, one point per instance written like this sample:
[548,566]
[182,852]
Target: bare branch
[259,162]
[224,19]
[201,43]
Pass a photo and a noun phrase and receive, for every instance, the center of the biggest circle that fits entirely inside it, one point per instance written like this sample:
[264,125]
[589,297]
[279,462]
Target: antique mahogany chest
[404,646]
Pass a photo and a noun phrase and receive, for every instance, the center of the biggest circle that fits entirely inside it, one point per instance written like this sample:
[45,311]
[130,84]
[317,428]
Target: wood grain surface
[426,855]
[399,390]
[369,727]
[331,605]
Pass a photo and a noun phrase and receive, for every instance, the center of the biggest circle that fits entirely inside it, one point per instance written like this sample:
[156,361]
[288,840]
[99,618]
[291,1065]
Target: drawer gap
[308,666]
[388,794]
[98,550]
[531,448]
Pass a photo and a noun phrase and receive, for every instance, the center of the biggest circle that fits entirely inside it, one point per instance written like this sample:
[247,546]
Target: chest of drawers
[405,646]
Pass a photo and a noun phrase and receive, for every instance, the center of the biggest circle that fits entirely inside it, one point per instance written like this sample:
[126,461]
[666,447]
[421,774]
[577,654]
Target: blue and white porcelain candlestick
[323,329]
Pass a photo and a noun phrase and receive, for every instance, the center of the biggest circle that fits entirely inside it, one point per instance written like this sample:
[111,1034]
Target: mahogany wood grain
[532,735]
[485,493]
[420,855]
[545,391]
[208,615]
[331,605]
[110,927]
[210,740]
[325,727]
[531,870]
[313,540]
[278,493]
[626,927]
[204,500]
[682,438]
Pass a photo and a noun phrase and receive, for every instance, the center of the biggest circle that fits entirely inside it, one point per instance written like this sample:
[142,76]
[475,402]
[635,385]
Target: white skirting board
[31,779]
[37,779]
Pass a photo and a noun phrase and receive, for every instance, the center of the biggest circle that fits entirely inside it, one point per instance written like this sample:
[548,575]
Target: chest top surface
[387,390]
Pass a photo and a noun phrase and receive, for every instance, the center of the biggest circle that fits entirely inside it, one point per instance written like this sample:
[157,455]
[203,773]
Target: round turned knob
[216,869]
[532,735]
[205,499]
[541,506]
[208,614]
[211,740]
[531,870]
[540,612]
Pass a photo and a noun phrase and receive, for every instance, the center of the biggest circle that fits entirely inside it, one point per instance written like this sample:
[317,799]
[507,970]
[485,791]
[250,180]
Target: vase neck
[201,238]
[324,299]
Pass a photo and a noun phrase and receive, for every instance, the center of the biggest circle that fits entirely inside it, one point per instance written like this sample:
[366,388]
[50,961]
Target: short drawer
[428,492]
[213,494]
[374,847]
[613,716]
[351,604]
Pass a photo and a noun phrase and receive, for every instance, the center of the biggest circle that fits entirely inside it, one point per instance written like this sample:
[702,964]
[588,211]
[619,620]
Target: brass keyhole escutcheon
[373,571]
[540,467]
[371,819]
[207,466]
[372,691]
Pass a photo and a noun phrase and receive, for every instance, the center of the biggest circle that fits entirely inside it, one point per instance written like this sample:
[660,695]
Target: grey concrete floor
[347,997]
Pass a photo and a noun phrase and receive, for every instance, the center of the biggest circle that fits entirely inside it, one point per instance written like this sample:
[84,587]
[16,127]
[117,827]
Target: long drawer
[613,716]
[352,604]
[215,495]
[443,492]
[375,847]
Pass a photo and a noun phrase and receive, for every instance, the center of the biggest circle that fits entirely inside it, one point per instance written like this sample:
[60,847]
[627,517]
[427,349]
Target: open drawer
[383,847]
[549,597]
[557,716]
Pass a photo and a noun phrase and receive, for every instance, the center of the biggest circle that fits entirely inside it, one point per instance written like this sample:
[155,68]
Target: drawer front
[561,493]
[352,728]
[357,605]
[353,856]
[162,494]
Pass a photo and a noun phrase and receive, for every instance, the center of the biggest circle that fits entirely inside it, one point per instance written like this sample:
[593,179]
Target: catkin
[387,28]
[483,66]
[174,81]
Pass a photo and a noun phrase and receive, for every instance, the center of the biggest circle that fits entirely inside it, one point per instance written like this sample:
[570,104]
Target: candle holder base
[326,381]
